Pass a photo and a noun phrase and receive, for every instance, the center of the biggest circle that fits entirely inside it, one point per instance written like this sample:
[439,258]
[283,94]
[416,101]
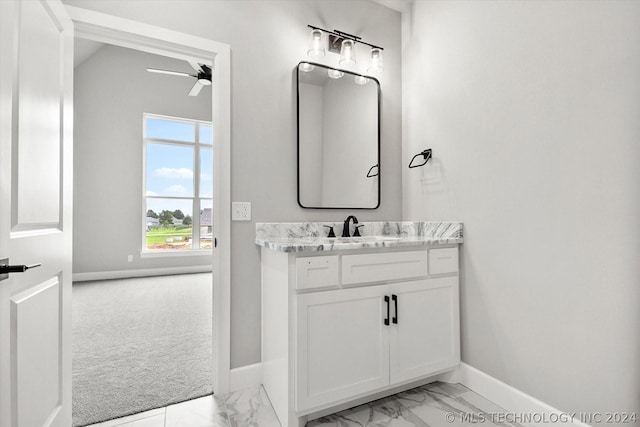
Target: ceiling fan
[203,76]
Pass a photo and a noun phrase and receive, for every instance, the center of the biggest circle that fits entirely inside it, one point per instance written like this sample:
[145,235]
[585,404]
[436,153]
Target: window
[178,181]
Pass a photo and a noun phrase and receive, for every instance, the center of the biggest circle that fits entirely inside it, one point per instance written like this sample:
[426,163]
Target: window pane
[170,129]
[206,134]
[206,223]
[169,170]
[206,172]
[169,224]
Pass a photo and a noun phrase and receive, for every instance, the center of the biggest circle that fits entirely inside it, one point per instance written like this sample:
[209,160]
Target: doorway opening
[110,35]
[140,343]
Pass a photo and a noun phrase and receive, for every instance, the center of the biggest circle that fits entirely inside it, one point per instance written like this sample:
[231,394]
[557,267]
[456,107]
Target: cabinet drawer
[316,272]
[383,266]
[443,260]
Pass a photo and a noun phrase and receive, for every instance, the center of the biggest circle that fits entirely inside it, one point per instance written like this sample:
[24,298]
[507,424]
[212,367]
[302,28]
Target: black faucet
[345,228]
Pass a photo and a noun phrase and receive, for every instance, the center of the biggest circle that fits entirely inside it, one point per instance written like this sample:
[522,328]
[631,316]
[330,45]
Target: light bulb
[361,80]
[375,66]
[347,53]
[306,67]
[316,49]
[335,74]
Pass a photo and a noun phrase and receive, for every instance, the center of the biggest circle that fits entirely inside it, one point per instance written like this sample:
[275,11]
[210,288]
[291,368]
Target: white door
[424,328]
[342,347]
[36,78]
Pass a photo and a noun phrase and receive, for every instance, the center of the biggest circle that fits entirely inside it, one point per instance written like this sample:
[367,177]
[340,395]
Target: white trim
[149,38]
[509,398]
[245,377]
[222,221]
[145,272]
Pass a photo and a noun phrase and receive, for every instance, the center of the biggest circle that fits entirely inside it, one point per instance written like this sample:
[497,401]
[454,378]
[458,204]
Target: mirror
[338,139]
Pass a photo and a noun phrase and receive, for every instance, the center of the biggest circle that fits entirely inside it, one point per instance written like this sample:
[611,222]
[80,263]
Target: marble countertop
[311,236]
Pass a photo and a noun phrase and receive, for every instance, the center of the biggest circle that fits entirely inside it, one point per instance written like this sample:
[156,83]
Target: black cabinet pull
[395,301]
[386,299]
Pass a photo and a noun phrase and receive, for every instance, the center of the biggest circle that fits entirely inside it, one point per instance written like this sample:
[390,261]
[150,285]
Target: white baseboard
[245,377]
[124,274]
[512,400]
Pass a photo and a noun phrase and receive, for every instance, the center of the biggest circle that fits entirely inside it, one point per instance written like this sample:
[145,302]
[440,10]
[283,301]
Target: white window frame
[196,199]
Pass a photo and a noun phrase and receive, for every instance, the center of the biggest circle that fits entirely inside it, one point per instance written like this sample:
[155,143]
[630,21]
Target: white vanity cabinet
[338,327]
[342,345]
[425,338]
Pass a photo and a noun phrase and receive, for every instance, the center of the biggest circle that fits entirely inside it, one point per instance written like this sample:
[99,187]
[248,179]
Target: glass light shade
[361,80]
[316,49]
[335,74]
[375,66]
[306,67]
[347,53]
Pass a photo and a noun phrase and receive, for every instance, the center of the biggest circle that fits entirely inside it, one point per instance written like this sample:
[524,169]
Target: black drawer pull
[386,299]
[395,301]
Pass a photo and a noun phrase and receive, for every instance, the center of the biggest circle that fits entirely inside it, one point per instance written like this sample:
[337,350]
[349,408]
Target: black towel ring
[426,154]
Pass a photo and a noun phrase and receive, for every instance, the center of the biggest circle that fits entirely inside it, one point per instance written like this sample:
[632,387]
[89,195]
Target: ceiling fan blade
[195,90]
[195,66]
[173,73]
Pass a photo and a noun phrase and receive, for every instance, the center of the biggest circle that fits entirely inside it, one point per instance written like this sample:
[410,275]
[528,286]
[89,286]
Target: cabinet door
[342,347]
[426,337]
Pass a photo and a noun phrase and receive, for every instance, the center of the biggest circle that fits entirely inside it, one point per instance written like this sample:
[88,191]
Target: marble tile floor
[433,405]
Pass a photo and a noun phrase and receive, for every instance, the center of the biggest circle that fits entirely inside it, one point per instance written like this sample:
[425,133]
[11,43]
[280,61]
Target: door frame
[161,41]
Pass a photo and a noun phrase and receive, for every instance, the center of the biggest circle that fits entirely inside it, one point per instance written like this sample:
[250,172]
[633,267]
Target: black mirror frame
[297,72]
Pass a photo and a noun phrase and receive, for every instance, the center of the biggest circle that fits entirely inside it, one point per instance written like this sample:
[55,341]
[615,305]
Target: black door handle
[395,301]
[386,299]
[4,269]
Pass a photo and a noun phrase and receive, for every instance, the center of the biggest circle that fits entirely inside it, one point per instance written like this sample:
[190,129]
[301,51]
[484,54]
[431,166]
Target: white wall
[112,89]
[533,112]
[268,38]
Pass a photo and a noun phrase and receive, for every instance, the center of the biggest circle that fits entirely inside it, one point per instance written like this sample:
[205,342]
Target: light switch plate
[241,211]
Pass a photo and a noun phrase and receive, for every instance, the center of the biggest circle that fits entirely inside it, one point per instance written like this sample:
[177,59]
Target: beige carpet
[140,344]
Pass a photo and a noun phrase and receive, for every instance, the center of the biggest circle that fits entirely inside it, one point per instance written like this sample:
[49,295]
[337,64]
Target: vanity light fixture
[306,67]
[348,53]
[361,80]
[344,43]
[316,49]
[375,66]
[335,74]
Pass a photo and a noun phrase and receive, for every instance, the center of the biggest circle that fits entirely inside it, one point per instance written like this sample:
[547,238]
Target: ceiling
[83,49]
[399,5]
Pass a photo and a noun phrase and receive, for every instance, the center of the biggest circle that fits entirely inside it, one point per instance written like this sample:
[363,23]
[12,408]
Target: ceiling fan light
[204,82]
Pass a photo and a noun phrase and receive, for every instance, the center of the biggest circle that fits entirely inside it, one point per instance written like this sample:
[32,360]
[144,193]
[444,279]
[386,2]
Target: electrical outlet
[241,211]
[130,258]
